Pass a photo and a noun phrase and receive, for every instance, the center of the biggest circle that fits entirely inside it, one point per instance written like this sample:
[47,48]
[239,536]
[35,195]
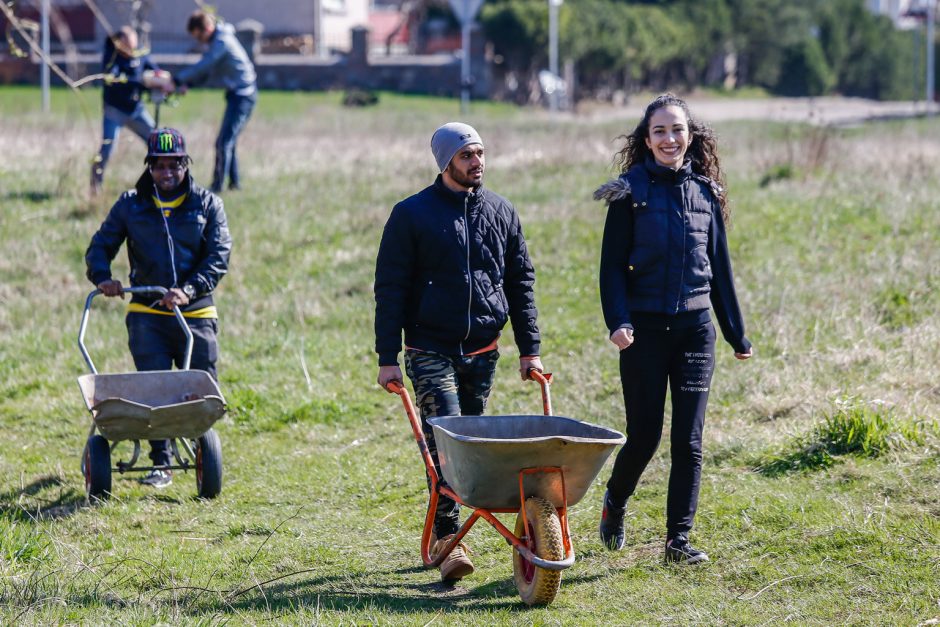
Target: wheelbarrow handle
[544,380]
[397,387]
[141,289]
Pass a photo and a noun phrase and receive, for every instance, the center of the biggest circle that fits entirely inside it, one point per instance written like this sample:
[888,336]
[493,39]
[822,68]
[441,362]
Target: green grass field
[821,490]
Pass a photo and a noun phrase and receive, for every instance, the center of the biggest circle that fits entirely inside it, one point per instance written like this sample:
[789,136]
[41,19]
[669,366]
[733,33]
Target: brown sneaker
[456,565]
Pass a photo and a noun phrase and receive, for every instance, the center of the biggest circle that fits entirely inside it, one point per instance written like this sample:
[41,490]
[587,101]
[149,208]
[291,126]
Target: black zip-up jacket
[665,252]
[452,268]
[124,96]
[201,242]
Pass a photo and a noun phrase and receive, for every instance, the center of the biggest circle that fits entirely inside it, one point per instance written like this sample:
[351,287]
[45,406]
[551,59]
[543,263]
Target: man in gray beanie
[452,269]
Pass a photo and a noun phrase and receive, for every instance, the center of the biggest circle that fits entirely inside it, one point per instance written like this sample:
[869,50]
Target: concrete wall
[339,18]
[437,74]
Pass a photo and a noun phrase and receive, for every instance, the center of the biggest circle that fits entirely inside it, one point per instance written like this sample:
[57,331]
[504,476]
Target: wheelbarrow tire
[538,586]
[209,465]
[97,468]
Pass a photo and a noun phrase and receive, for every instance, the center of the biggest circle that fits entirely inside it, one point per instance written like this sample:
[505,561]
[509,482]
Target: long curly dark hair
[703,149]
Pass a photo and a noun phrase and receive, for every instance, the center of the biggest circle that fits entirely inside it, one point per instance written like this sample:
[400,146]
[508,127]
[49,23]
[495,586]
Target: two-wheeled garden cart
[178,405]
[535,466]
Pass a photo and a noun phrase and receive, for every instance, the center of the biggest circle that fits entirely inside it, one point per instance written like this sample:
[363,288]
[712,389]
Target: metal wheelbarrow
[178,405]
[533,466]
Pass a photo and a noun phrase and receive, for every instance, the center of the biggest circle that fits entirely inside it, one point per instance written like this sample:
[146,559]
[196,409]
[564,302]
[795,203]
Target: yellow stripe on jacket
[205,312]
[167,206]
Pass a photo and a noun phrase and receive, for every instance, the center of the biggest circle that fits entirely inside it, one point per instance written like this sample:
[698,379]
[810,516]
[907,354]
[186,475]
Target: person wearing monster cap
[452,269]
[177,237]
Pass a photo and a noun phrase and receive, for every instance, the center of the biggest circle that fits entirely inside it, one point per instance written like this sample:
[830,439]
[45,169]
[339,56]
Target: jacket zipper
[169,238]
[466,234]
[684,244]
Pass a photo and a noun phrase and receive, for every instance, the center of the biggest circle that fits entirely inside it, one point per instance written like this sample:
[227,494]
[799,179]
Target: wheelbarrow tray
[152,405]
[481,456]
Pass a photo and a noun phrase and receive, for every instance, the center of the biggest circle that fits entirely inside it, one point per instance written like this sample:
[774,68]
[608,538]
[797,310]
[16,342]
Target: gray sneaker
[157,478]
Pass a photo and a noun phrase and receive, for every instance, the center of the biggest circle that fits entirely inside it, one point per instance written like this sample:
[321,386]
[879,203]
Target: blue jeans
[449,385]
[139,121]
[157,342]
[237,111]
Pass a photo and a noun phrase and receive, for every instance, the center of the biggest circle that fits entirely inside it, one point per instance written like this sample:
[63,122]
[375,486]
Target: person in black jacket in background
[664,259]
[452,268]
[178,238]
[124,67]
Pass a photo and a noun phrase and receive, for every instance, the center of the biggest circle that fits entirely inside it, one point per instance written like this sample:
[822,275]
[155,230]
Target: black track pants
[686,359]
[157,342]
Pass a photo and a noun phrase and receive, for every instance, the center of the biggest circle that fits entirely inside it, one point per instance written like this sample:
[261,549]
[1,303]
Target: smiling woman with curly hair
[664,263]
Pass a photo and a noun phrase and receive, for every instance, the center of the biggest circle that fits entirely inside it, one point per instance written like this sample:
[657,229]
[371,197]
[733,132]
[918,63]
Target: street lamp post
[44,68]
[931,18]
[466,11]
[553,50]
[465,80]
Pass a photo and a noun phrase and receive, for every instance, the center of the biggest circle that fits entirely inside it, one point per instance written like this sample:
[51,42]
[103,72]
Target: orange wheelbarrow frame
[438,488]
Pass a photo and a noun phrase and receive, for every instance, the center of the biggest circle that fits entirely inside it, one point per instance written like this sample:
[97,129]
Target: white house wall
[279,17]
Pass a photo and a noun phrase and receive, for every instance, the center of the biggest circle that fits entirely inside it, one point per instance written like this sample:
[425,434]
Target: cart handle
[545,380]
[143,289]
[397,387]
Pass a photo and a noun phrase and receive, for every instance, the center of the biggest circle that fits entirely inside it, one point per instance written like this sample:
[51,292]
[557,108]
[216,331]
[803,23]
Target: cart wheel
[209,465]
[538,586]
[97,469]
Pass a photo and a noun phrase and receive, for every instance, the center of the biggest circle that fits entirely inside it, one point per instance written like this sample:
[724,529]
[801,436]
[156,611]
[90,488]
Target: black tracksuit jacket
[200,235]
[124,95]
[452,269]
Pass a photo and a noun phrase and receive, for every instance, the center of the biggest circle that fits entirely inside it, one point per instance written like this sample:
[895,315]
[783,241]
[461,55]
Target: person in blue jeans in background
[226,61]
[124,67]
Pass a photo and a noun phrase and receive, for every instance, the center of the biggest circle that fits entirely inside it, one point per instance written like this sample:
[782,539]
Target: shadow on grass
[166,498]
[367,593]
[68,502]
[29,195]
[345,592]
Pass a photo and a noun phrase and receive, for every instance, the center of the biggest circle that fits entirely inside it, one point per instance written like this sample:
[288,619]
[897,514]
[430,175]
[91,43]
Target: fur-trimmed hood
[614,189]
[620,187]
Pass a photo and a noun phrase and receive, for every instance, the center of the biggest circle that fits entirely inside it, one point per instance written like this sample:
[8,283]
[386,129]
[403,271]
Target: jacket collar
[145,188]
[473,198]
[668,175]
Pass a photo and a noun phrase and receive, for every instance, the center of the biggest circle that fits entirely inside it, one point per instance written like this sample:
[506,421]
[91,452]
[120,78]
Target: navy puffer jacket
[665,250]
[452,269]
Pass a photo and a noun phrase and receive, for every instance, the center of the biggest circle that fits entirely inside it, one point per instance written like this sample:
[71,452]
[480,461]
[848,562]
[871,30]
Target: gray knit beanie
[450,138]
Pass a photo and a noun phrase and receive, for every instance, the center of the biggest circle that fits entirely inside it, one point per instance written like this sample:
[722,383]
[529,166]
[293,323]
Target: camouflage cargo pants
[449,385]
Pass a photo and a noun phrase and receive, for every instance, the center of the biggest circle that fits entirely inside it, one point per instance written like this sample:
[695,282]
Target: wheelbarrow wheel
[97,468]
[538,586]
[209,465]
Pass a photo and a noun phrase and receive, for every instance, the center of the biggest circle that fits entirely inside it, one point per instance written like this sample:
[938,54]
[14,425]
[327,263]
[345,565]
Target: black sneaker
[611,526]
[157,478]
[680,551]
